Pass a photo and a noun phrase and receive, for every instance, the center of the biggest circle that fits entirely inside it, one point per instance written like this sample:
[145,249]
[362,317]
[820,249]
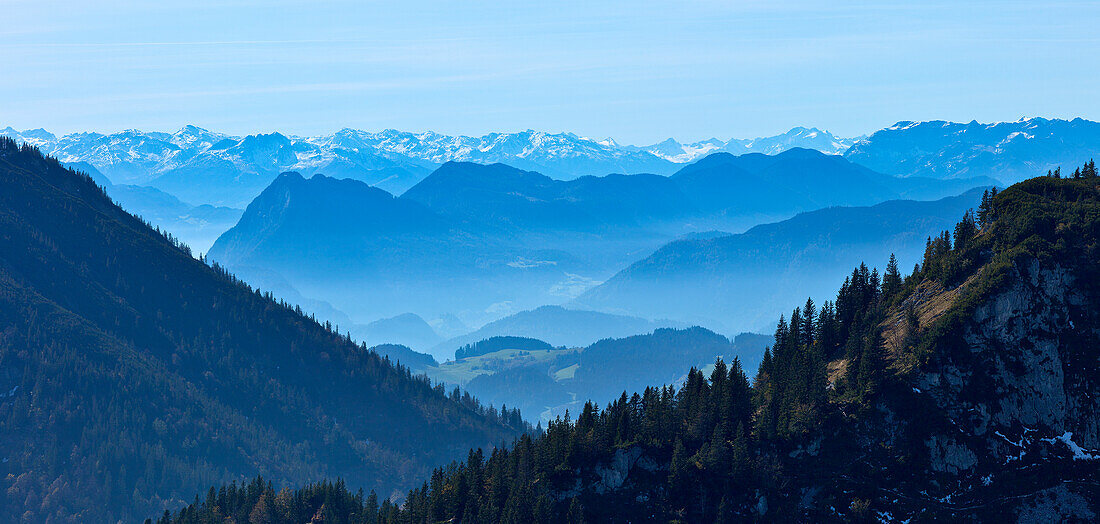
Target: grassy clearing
[460,372]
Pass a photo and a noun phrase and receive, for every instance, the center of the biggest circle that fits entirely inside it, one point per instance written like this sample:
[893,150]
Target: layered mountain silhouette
[485,241]
[558,326]
[415,361]
[710,279]
[207,167]
[191,159]
[545,380]
[132,375]
[966,390]
[500,196]
[372,255]
[407,329]
[197,226]
[798,179]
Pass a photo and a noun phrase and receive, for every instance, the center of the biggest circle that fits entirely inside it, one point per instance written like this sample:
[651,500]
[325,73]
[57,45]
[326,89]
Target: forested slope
[133,376]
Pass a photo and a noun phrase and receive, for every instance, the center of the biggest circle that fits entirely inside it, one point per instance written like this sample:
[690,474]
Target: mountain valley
[440,323]
[515,240]
[963,391]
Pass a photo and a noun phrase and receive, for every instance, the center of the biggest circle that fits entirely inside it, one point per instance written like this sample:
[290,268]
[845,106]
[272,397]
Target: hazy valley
[504,289]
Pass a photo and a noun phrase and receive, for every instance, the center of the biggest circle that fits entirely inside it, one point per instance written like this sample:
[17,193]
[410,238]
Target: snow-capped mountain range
[207,167]
[203,166]
[808,138]
[1007,151]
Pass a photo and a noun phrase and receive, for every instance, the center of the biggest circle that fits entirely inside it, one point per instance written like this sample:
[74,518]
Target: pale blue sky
[635,71]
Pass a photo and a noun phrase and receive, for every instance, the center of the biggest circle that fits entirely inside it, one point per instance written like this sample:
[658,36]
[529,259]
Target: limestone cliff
[1017,392]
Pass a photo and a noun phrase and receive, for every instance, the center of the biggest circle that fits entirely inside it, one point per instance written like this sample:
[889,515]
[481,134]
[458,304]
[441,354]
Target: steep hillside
[197,226]
[1007,151]
[967,391]
[317,214]
[134,375]
[709,279]
[397,353]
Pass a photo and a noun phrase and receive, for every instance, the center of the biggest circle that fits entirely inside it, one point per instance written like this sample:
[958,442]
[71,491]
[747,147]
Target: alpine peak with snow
[194,163]
[807,138]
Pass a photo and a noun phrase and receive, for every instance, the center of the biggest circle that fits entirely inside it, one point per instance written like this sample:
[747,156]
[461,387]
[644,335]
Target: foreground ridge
[133,375]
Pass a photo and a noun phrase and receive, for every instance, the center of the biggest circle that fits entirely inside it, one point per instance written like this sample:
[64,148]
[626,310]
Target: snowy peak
[190,136]
[134,156]
[35,137]
[1008,151]
[203,166]
[808,138]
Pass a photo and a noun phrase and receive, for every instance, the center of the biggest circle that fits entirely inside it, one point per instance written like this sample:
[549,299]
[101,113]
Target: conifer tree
[809,311]
[984,208]
[871,364]
[965,230]
[678,473]
[891,279]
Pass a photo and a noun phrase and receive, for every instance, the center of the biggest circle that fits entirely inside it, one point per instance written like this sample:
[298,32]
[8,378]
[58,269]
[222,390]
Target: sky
[638,71]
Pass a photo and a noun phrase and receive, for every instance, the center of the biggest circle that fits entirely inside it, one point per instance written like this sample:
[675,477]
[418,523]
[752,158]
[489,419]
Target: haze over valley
[428,262]
[529,219]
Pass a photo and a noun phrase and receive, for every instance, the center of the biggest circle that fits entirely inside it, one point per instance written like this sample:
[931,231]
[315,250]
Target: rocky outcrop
[625,465]
[1022,366]
[1017,395]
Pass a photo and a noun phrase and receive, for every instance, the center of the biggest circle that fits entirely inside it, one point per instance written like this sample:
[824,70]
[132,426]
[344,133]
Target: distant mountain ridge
[808,138]
[560,327]
[545,380]
[502,196]
[197,226]
[1007,151]
[230,170]
[203,166]
[407,330]
[798,178]
[709,279]
[485,241]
